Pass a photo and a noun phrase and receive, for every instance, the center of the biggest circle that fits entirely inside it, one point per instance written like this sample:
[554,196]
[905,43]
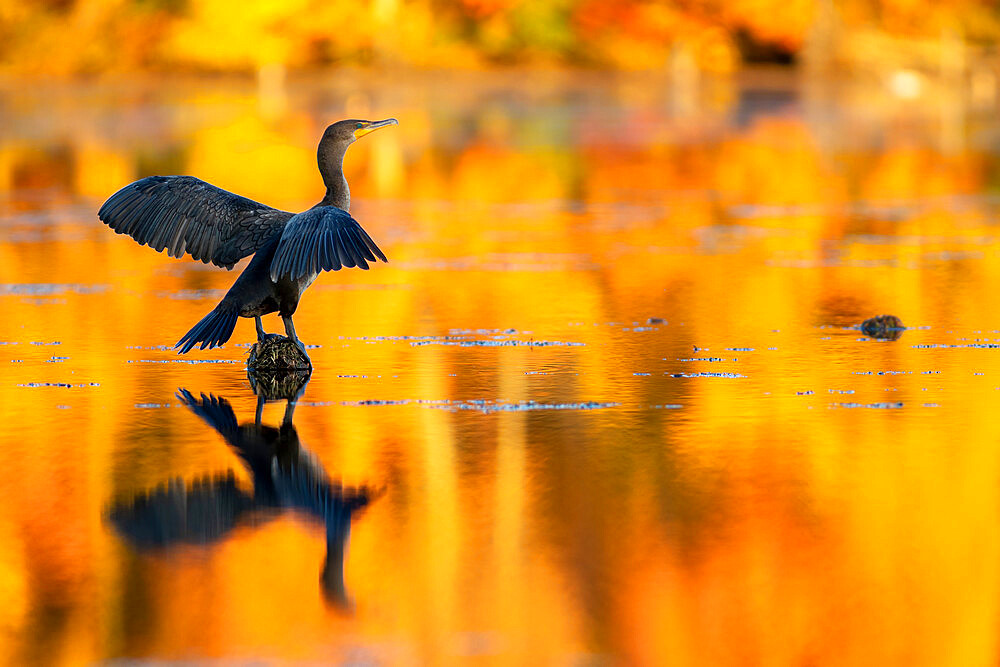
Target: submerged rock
[886,327]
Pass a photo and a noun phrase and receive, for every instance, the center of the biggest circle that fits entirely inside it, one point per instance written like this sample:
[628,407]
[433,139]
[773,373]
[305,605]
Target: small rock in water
[888,327]
[277,353]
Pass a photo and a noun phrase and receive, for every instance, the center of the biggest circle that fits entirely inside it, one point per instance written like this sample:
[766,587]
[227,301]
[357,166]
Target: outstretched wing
[322,239]
[183,214]
[216,411]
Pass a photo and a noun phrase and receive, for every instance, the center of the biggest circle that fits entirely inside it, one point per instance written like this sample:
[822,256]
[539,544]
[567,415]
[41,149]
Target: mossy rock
[277,353]
[886,327]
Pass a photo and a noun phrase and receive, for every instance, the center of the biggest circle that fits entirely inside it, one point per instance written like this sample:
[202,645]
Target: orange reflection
[804,496]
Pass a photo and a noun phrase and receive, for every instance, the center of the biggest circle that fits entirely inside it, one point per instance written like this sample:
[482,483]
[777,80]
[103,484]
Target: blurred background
[864,37]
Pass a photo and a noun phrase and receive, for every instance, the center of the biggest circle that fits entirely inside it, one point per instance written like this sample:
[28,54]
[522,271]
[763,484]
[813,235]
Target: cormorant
[183,214]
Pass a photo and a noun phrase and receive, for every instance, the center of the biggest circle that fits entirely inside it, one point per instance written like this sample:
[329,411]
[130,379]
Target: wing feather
[325,238]
[359,258]
[371,245]
[346,256]
[183,214]
[332,262]
[363,248]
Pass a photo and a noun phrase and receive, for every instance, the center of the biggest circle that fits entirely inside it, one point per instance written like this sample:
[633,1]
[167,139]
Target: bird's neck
[331,165]
[337,192]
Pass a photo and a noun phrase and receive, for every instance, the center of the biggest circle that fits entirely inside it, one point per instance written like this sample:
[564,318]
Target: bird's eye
[359,125]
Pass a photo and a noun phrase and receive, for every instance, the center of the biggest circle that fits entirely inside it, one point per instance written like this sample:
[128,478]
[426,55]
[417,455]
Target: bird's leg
[261,334]
[289,412]
[290,330]
[260,409]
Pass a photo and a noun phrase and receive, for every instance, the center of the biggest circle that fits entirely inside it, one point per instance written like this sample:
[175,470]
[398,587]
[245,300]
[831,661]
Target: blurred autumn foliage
[67,37]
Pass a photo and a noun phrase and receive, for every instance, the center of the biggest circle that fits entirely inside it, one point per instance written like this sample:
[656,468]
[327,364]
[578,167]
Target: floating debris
[985,346]
[481,405]
[480,332]
[656,320]
[488,407]
[183,361]
[883,373]
[885,327]
[375,401]
[871,406]
[498,343]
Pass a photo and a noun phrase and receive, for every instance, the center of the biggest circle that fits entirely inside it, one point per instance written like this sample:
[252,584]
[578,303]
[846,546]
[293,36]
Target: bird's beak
[371,126]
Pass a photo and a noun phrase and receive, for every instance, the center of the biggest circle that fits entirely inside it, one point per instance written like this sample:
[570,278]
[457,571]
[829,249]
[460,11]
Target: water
[608,402]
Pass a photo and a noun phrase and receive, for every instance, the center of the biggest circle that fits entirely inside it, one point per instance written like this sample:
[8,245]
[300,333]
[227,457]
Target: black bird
[183,214]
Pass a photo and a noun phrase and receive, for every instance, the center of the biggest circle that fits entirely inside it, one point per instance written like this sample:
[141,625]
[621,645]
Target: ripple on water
[49,289]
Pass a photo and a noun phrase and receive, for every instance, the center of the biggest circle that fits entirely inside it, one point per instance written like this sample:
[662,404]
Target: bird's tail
[213,330]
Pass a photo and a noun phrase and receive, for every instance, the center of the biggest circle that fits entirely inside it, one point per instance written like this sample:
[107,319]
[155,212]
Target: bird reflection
[285,477]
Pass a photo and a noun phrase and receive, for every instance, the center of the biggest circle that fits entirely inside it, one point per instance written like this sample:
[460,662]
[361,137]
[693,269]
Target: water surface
[608,402]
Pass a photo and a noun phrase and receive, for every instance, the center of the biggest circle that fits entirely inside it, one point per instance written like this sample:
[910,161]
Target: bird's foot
[268,336]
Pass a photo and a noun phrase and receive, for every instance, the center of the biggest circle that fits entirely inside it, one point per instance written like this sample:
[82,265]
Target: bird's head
[345,132]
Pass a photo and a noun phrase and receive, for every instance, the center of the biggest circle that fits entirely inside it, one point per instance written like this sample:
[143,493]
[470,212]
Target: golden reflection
[611,382]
